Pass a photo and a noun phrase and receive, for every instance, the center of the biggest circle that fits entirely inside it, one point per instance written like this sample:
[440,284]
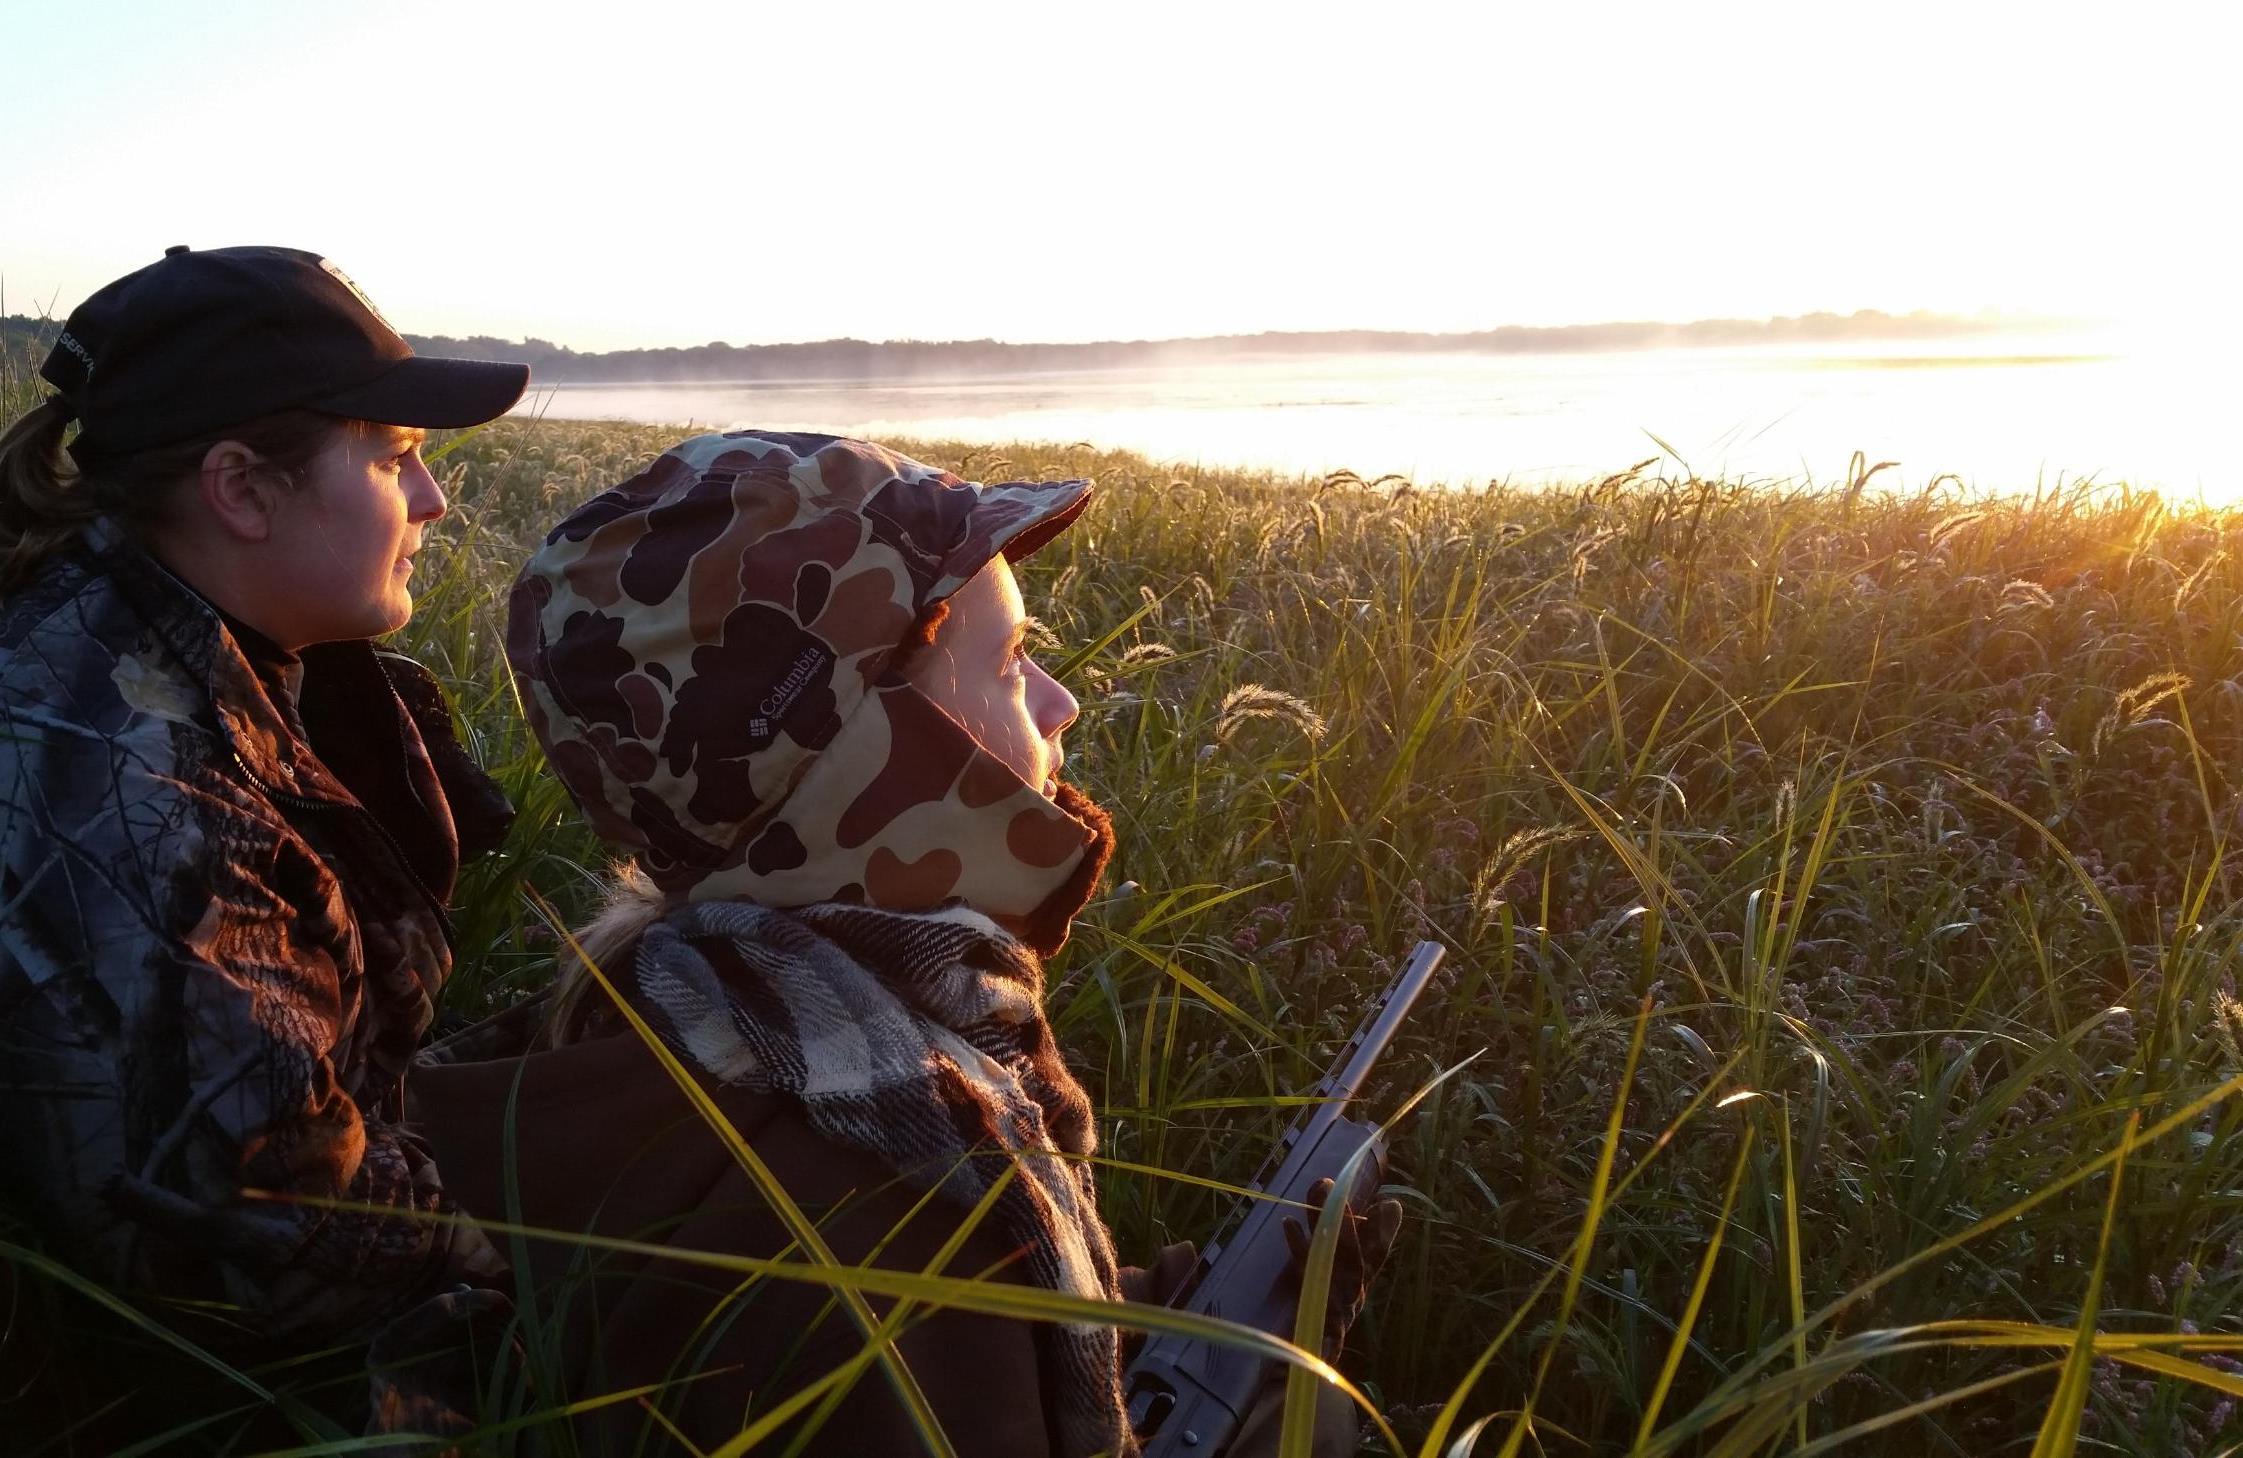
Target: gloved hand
[426,1369]
[1366,1239]
[1158,1283]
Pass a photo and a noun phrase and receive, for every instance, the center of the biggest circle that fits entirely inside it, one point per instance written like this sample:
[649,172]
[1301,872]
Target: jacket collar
[263,735]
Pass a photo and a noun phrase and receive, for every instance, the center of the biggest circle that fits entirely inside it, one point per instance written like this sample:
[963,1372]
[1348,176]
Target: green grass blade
[1922,1407]
[2059,1434]
[1592,1218]
[1196,985]
[1795,1282]
[892,1325]
[993,1298]
[1681,1341]
[63,1276]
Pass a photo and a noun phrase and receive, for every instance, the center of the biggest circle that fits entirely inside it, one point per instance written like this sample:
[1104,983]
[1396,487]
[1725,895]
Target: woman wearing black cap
[229,823]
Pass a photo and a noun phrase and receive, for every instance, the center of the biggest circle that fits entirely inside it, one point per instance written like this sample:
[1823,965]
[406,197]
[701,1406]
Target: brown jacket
[604,1141]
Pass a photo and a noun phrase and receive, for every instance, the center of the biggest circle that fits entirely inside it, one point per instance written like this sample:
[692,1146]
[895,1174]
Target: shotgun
[1185,1397]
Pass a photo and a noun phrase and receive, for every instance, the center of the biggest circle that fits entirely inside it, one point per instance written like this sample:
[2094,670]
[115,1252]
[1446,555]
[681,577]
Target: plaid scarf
[919,1038]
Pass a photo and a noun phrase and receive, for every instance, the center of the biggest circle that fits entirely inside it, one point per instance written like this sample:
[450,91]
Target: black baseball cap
[198,341]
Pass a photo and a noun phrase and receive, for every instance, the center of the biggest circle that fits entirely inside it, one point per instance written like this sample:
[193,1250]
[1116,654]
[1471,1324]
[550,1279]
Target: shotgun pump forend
[1188,1397]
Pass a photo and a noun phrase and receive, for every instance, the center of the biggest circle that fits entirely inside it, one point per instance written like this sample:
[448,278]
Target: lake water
[1999,415]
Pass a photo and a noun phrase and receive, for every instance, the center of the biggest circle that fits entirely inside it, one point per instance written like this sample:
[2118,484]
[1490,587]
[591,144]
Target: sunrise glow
[686,172]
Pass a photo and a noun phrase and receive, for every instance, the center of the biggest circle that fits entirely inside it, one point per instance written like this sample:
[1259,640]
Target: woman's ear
[239,491]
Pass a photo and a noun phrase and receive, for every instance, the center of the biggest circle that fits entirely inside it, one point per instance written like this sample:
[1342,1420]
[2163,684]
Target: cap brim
[433,393]
[1053,507]
[1010,520]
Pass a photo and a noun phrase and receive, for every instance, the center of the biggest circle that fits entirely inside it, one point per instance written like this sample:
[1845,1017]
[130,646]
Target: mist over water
[2001,415]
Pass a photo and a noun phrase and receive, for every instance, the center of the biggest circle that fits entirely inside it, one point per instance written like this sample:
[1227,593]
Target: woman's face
[340,556]
[978,671]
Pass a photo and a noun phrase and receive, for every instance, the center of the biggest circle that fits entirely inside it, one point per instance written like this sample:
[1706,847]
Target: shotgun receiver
[1186,1398]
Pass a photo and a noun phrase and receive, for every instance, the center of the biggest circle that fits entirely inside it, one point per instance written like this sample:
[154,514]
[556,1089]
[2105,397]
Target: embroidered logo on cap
[357,293]
[73,347]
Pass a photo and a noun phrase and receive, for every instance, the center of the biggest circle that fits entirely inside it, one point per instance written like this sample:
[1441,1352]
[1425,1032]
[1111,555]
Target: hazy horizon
[1815,324]
[1859,323]
[561,362]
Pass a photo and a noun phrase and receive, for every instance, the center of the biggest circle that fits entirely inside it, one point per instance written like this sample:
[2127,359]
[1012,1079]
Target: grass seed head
[1251,701]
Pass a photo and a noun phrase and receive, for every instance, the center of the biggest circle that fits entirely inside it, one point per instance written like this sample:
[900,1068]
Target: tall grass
[1838,888]
[1910,812]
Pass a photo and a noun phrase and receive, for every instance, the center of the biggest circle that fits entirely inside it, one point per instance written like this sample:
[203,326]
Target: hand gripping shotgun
[1187,1397]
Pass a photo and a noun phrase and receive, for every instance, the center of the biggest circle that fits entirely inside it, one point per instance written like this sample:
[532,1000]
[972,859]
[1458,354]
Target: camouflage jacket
[218,951]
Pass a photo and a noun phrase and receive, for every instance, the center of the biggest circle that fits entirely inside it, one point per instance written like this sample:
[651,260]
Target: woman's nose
[424,498]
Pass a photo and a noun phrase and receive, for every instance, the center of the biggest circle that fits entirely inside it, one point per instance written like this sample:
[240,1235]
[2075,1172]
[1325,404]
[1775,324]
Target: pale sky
[663,172]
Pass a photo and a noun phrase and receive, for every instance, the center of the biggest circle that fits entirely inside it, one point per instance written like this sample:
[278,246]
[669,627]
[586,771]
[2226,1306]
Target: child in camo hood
[846,888]
[713,653]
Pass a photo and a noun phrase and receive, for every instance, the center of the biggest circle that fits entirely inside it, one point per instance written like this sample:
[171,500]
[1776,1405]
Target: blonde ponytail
[631,905]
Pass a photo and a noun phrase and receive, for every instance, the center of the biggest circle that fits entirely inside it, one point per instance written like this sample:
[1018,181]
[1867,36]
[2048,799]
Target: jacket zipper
[396,851]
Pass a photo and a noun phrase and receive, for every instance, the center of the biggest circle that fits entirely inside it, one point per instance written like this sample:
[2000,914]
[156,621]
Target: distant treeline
[857,358]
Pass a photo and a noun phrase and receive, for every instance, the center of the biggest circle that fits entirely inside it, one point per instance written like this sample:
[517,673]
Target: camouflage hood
[708,653]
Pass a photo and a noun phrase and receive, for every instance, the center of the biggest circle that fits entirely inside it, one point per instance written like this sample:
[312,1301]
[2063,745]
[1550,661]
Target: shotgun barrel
[1186,1398]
